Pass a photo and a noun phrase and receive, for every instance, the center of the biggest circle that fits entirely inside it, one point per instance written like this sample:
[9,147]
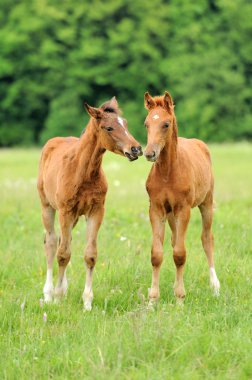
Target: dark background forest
[54,55]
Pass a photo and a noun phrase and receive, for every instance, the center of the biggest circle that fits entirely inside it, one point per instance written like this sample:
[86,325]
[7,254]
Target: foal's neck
[167,161]
[89,153]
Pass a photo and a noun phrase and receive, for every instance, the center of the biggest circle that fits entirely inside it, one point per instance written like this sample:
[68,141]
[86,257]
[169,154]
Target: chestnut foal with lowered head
[72,181]
[180,179]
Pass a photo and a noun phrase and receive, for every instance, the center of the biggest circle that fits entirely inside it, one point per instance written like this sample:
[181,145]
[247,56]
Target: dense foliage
[55,55]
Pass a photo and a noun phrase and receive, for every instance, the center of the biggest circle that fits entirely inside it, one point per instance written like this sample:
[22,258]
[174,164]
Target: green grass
[207,338]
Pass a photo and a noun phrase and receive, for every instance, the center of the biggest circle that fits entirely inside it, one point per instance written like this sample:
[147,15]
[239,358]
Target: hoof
[59,294]
[214,282]
[153,294]
[61,290]
[48,294]
[153,299]
[215,286]
[179,292]
[87,297]
[87,306]
[48,298]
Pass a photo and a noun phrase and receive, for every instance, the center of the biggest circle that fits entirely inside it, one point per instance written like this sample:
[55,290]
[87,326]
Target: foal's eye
[166,125]
[109,129]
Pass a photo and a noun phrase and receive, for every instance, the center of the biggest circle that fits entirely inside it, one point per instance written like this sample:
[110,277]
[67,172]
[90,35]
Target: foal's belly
[199,199]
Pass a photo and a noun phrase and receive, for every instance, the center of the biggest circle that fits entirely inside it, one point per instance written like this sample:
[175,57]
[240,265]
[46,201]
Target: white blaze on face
[120,121]
[155,117]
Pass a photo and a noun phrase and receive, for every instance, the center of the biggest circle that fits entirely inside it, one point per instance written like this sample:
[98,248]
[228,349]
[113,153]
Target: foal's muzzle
[151,156]
[134,153]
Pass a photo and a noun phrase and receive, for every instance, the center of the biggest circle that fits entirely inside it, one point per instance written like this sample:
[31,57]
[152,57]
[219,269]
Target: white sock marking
[48,287]
[88,293]
[214,282]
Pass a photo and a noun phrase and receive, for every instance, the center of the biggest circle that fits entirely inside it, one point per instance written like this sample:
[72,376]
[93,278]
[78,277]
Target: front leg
[157,219]
[93,224]
[181,218]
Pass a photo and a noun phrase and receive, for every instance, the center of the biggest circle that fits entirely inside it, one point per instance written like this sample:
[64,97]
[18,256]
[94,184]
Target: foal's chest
[85,197]
[160,194]
[91,198]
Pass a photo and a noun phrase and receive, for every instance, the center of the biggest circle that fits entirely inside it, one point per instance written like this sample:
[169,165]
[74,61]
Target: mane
[159,101]
[175,131]
[83,131]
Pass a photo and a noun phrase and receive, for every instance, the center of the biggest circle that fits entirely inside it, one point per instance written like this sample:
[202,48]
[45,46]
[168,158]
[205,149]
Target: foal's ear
[148,101]
[114,103]
[168,102]
[92,111]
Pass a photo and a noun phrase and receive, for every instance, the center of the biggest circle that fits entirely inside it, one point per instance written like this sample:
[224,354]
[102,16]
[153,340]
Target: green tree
[55,55]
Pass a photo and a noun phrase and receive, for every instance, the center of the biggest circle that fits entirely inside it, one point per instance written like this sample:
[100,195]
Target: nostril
[151,155]
[134,149]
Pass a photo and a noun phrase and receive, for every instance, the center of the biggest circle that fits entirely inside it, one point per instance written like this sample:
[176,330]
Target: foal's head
[113,131]
[160,123]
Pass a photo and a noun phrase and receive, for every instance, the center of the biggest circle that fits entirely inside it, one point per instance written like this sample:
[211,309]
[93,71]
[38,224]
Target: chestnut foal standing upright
[72,181]
[180,179]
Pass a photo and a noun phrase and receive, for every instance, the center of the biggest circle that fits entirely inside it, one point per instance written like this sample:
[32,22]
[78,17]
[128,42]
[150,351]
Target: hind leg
[207,239]
[93,224]
[48,216]
[66,221]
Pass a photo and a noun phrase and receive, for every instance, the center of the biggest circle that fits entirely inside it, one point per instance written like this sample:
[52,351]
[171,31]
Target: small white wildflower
[45,317]
[123,238]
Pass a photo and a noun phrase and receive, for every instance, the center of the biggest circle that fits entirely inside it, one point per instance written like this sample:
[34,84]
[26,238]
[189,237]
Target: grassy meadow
[207,338]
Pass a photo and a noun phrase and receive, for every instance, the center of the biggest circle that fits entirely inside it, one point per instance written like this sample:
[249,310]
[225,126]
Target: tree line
[54,55]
